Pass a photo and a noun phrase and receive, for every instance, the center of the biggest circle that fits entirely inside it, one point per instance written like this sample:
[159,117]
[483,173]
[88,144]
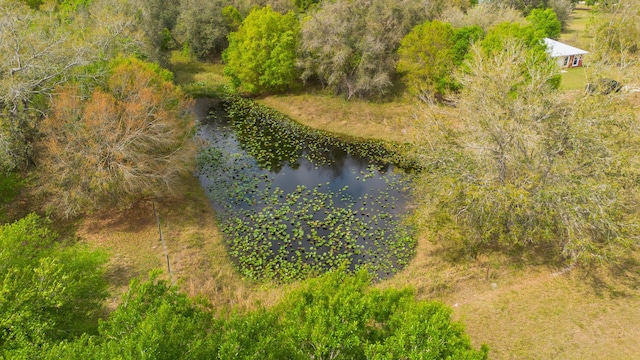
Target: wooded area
[92,121]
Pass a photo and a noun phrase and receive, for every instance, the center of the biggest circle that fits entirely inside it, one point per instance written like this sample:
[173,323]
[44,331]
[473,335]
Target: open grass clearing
[389,121]
[527,310]
[577,32]
[576,78]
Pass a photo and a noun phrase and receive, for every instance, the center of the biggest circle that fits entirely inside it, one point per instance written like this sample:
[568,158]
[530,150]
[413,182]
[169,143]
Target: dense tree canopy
[49,292]
[545,23]
[429,54]
[335,317]
[427,58]
[350,46]
[202,28]
[262,53]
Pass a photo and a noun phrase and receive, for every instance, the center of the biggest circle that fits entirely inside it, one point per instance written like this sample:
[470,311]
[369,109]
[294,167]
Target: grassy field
[523,309]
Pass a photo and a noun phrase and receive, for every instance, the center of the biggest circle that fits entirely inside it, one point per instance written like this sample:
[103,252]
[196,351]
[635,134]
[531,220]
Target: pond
[293,202]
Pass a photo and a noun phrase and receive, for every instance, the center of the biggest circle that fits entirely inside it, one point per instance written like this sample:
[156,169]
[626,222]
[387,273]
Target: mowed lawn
[577,35]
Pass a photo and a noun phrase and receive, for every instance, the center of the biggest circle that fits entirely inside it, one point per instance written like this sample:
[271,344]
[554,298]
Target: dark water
[293,202]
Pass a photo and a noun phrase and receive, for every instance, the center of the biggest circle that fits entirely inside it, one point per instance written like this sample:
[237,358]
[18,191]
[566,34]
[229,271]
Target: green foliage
[305,5]
[426,58]
[10,184]
[545,23]
[336,316]
[158,20]
[154,321]
[463,38]
[49,292]
[232,17]
[499,35]
[339,316]
[505,35]
[261,55]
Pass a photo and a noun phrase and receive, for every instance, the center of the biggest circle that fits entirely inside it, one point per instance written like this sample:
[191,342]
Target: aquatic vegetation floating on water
[285,232]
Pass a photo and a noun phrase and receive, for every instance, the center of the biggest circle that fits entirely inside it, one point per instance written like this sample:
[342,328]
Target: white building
[567,55]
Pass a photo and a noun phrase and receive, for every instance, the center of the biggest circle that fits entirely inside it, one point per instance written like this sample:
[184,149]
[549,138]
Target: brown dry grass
[532,311]
[197,253]
[388,121]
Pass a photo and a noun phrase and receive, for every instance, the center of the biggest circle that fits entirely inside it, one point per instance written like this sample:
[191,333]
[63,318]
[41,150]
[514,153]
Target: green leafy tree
[126,142]
[430,53]
[49,291]
[520,169]
[261,55]
[153,321]
[463,38]
[502,34]
[337,316]
[545,23]
[426,59]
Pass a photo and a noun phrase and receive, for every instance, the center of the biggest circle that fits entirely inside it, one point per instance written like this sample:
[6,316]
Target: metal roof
[558,49]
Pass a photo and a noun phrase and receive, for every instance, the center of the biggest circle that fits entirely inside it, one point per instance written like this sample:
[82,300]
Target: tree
[520,169]
[126,142]
[486,15]
[158,21]
[49,291]
[202,27]
[617,34]
[430,53]
[525,6]
[426,59]
[350,46]
[563,10]
[153,321]
[261,55]
[336,316]
[545,23]
[505,33]
[37,53]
